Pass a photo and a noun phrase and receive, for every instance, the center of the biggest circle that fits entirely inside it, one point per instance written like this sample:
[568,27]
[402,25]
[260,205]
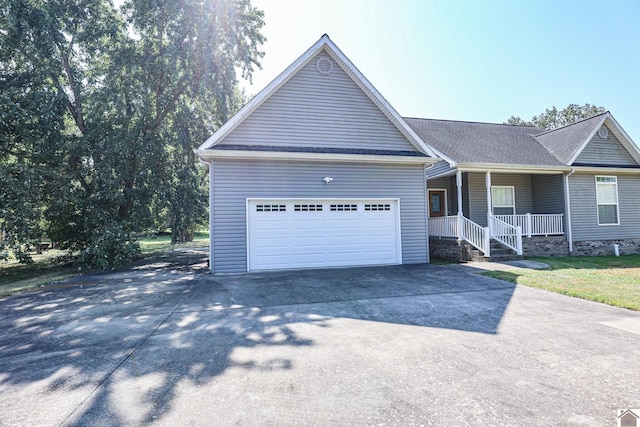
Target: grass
[151,245]
[607,279]
[53,266]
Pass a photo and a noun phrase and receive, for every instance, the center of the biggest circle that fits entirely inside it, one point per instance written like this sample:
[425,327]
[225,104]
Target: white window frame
[493,198]
[617,204]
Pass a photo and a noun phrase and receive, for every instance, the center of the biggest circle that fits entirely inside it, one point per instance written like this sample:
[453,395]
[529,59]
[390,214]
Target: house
[319,170]
[572,190]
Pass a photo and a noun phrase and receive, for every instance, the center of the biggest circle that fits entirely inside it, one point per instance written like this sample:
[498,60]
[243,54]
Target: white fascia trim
[624,139]
[498,168]
[586,141]
[377,98]
[314,157]
[606,170]
[264,94]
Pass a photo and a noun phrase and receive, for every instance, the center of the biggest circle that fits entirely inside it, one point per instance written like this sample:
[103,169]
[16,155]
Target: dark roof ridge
[574,123]
[472,122]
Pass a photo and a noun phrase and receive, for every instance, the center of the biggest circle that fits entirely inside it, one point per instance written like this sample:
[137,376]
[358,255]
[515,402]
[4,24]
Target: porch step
[500,252]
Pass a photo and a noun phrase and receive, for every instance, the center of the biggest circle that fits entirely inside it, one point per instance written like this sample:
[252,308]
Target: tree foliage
[553,118]
[101,109]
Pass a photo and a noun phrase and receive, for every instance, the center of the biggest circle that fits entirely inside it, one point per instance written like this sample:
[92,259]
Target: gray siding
[318,110]
[608,151]
[584,209]
[447,183]
[476,207]
[438,169]
[548,194]
[477,198]
[235,181]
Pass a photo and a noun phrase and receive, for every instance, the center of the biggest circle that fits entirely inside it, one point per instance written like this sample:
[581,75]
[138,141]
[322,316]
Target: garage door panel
[322,233]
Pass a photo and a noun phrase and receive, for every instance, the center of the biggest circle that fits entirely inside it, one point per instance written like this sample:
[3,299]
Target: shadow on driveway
[119,348]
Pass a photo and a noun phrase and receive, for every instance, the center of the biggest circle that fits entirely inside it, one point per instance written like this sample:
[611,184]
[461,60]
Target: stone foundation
[605,247]
[545,246]
[450,249]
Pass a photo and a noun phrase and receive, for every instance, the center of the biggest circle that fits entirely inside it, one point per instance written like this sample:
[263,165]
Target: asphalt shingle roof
[471,142]
[565,142]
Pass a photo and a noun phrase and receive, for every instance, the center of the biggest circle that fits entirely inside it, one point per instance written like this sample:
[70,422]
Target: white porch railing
[506,234]
[461,228]
[536,224]
[475,234]
[443,226]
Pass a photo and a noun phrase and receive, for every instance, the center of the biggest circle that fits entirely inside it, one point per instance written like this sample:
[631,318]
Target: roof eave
[213,154]
[498,167]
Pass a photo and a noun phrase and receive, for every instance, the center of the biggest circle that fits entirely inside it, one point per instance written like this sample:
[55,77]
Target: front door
[437,203]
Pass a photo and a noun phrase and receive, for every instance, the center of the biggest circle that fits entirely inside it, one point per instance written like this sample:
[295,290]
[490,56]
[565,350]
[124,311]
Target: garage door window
[344,207]
[271,208]
[377,207]
[307,208]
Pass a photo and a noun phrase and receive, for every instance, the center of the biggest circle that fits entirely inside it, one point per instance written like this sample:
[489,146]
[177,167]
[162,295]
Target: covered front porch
[479,207]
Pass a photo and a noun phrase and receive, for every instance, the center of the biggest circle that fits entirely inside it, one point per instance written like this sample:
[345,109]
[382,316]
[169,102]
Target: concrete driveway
[168,344]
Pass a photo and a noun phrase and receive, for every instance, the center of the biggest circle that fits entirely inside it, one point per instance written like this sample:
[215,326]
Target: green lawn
[51,266]
[611,280]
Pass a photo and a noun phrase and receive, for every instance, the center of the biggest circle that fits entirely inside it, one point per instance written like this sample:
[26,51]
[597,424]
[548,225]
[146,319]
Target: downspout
[567,202]
[211,201]
[426,211]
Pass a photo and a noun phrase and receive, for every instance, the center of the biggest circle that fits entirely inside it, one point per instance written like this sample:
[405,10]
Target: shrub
[110,247]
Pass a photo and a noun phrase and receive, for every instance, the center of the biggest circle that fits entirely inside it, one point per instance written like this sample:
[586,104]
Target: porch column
[459,194]
[487,178]
[459,185]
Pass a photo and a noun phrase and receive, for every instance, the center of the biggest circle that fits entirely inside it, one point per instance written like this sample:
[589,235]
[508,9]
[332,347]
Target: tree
[554,118]
[129,93]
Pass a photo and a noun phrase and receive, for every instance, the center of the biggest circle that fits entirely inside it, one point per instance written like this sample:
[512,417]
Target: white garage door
[322,233]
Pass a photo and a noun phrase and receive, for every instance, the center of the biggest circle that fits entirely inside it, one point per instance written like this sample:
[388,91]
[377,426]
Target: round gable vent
[603,132]
[324,65]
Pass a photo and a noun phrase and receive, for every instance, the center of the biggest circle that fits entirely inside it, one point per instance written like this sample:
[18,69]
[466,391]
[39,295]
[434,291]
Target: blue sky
[472,60]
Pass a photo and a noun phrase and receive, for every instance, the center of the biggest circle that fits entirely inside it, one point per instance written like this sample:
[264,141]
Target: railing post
[487,242]
[519,240]
[459,227]
[528,223]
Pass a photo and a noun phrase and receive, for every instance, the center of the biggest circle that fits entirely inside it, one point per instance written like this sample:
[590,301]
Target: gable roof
[331,49]
[484,143]
[567,142]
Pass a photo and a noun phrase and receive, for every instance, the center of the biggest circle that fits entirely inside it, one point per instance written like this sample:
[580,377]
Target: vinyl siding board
[605,151]
[477,197]
[235,181]
[548,194]
[584,209]
[313,109]
[438,169]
